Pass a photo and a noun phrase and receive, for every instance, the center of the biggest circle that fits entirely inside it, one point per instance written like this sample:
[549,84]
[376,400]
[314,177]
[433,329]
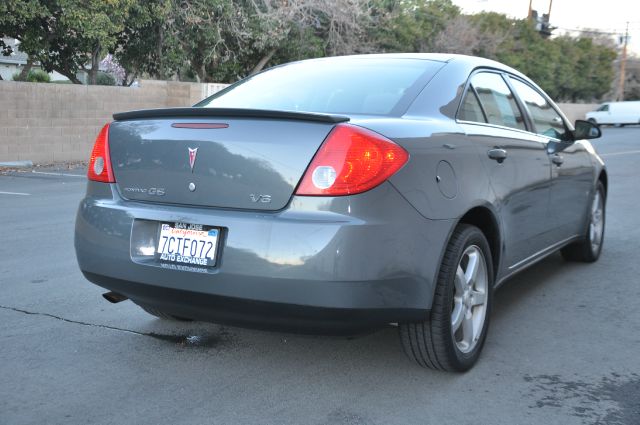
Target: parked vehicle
[343,194]
[616,113]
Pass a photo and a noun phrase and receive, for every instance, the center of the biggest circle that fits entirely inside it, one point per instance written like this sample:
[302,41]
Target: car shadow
[378,349]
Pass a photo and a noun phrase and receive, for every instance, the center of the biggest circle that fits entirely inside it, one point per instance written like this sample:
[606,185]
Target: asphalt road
[564,344]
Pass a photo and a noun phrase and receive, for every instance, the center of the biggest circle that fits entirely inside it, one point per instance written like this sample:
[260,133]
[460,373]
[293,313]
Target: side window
[603,108]
[546,120]
[470,110]
[497,100]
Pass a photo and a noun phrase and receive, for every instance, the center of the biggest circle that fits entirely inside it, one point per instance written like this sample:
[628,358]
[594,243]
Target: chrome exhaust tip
[114,297]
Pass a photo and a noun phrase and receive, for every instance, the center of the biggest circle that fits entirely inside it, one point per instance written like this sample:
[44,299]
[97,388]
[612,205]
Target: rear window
[337,86]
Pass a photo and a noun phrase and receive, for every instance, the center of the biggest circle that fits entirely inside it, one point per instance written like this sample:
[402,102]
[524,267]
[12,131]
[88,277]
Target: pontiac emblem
[192,157]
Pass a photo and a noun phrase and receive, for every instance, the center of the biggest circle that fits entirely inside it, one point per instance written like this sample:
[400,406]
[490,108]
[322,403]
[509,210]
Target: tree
[472,35]
[411,25]
[632,83]
[328,27]
[66,36]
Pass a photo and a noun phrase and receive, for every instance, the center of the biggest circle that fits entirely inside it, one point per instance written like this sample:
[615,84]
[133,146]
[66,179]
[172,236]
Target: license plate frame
[188,238]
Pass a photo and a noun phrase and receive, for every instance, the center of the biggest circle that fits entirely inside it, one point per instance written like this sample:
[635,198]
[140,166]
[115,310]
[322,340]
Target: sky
[608,16]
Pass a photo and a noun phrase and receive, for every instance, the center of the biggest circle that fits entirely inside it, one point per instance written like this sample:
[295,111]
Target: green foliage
[65,35]
[567,68]
[34,76]
[105,79]
[412,25]
[224,40]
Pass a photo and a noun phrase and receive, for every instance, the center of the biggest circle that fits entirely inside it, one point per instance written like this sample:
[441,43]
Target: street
[563,346]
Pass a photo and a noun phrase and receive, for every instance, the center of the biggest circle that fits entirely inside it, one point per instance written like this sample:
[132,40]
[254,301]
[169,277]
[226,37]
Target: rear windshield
[336,86]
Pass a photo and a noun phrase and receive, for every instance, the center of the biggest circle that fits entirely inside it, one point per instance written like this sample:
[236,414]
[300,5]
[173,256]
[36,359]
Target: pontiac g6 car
[343,194]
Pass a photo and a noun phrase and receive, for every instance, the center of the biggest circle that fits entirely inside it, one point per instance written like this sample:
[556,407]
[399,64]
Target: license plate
[185,243]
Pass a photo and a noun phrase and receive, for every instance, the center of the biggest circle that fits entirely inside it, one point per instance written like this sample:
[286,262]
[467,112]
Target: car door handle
[557,159]
[497,154]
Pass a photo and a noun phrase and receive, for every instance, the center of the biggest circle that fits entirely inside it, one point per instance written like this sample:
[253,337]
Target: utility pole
[623,64]
[530,14]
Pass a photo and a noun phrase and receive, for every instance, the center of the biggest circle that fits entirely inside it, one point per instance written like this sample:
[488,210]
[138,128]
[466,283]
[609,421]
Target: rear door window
[497,100]
[546,120]
[470,110]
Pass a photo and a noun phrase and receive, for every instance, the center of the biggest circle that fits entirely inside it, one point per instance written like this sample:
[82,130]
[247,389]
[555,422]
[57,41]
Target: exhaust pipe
[114,297]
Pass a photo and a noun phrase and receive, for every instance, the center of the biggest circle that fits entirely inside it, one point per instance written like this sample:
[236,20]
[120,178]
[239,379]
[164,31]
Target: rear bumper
[323,264]
[271,315]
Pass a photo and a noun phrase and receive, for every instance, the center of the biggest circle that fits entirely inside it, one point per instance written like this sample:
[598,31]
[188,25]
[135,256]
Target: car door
[571,169]
[516,161]
[602,115]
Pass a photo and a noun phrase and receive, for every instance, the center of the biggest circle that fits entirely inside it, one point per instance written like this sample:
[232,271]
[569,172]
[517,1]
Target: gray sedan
[342,194]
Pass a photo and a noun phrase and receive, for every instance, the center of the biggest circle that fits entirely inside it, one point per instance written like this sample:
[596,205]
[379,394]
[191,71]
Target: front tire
[588,249]
[453,335]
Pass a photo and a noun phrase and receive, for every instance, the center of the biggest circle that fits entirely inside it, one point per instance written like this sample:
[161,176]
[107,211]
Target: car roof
[471,61]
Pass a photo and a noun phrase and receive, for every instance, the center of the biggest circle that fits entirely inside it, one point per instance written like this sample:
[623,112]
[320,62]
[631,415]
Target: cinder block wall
[59,122]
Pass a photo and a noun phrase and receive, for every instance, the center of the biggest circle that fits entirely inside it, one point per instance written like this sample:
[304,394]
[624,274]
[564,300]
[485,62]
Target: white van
[618,113]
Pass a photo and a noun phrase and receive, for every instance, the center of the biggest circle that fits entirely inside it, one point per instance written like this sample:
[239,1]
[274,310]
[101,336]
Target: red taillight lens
[100,162]
[351,160]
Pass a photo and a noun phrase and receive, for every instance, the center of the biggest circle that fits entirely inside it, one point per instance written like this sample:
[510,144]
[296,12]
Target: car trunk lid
[241,159]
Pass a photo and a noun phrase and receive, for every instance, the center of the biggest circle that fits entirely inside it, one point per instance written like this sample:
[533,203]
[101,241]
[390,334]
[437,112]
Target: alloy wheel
[469,299]
[596,226]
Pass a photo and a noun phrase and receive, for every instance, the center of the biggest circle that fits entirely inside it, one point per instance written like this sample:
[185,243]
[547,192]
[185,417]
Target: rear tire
[162,315]
[588,249]
[453,335]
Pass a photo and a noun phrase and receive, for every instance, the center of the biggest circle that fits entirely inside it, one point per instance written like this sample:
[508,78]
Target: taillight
[351,160]
[100,162]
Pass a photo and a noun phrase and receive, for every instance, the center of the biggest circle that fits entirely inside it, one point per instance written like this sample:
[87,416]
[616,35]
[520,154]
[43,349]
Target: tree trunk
[133,80]
[160,67]
[25,71]
[262,62]
[67,73]
[202,73]
[95,65]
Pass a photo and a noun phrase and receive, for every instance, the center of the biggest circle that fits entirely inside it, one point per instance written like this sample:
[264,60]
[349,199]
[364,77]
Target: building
[14,63]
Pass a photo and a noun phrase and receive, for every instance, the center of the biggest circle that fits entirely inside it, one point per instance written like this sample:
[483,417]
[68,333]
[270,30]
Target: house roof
[17,57]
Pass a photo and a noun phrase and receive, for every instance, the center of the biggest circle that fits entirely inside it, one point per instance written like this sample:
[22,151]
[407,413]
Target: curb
[17,164]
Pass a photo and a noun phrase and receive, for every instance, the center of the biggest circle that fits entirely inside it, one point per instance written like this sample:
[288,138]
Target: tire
[588,249]
[162,315]
[433,343]
[593,121]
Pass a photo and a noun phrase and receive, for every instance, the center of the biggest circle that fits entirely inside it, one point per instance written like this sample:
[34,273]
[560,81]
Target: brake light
[351,160]
[100,162]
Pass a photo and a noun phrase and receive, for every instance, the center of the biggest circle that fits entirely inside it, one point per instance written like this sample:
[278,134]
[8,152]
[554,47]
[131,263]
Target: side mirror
[586,130]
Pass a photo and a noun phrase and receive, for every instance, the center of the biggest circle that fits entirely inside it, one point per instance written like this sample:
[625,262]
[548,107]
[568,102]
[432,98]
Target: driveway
[564,344]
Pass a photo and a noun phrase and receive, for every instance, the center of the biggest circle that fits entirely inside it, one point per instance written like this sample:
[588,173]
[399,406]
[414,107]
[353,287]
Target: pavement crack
[215,340]
[79,322]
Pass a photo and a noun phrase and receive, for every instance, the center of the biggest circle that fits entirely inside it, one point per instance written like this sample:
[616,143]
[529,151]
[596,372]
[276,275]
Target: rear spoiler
[228,112]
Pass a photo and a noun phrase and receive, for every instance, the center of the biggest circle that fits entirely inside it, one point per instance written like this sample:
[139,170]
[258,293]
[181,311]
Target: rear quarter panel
[445,176]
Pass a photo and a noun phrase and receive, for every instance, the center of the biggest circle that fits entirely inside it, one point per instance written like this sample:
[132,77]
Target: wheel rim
[469,299]
[596,226]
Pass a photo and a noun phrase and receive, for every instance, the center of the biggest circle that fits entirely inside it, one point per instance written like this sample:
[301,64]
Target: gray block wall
[48,123]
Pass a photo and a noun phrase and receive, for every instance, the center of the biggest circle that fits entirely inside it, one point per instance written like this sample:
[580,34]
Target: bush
[34,76]
[105,79]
